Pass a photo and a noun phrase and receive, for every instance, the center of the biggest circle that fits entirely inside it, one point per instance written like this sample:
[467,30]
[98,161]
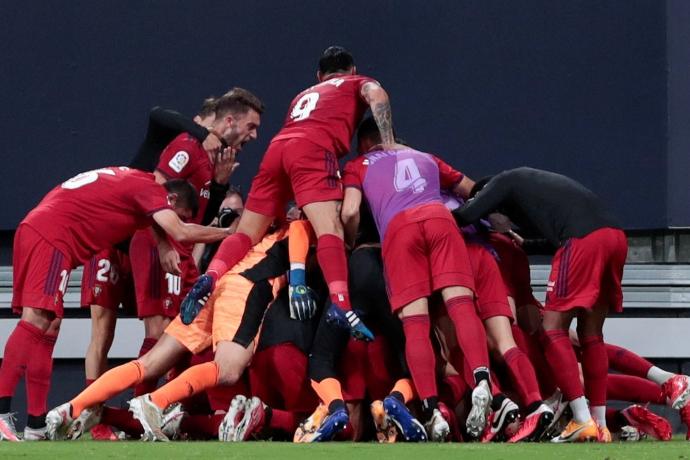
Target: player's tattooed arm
[378,101]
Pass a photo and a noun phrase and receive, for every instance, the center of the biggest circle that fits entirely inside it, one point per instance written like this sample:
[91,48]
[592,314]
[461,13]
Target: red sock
[146,386]
[121,419]
[284,421]
[528,344]
[19,350]
[561,358]
[621,387]
[231,250]
[420,354]
[595,368]
[201,426]
[613,420]
[627,362]
[330,252]
[38,373]
[524,378]
[469,331]
[453,390]
[88,382]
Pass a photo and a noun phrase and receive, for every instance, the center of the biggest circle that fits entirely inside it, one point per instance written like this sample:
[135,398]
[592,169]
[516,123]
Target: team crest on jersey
[179,161]
[96,291]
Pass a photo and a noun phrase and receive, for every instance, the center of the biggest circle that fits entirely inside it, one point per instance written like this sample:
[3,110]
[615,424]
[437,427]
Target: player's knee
[229,374]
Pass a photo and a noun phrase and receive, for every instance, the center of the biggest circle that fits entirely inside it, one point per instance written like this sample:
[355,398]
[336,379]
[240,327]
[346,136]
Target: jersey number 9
[304,106]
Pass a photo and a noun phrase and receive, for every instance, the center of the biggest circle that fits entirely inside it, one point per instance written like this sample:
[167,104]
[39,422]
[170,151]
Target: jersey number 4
[407,176]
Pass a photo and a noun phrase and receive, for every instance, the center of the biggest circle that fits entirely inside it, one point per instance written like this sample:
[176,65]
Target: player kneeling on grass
[90,212]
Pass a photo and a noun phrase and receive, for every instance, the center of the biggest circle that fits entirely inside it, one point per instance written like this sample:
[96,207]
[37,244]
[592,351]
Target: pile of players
[429,325]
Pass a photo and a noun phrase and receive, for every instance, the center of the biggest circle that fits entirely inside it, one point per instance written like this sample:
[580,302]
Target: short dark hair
[368,129]
[208,107]
[335,59]
[236,101]
[186,194]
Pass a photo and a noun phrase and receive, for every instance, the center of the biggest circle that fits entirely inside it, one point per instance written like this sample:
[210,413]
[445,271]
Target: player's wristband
[297,277]
[215,187]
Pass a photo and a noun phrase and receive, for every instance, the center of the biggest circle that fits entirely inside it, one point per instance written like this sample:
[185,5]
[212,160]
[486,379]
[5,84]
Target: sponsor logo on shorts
[179,161]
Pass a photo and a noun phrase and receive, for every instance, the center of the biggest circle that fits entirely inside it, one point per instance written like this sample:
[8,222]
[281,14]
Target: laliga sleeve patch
[179,161]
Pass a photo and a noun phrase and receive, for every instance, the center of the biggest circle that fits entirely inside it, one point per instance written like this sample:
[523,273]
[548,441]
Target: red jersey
[97,209]
[185,158]
[394,181]
[328,113]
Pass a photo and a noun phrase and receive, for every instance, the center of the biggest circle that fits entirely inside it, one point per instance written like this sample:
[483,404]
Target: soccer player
[220,325]
[302,160]
[279,383]
[585,279]
[107,280]
[368,291]
[236,118]
[497,314]
[92,211]
[423,252]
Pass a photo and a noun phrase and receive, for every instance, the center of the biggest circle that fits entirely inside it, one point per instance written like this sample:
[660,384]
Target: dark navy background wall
[578,87]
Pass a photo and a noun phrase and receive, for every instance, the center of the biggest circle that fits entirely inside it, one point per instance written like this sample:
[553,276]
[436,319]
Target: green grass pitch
[133,450]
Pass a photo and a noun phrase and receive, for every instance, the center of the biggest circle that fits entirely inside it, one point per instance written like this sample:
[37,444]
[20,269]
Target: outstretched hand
[225,165]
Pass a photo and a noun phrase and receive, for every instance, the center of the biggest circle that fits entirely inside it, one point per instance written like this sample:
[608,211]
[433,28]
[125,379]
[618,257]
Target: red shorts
[492,298]
[352,370]
[367,370]
[107,281]
[278,376]
[514,266]
[588,271]
[294,168]
[423,256]
[158,293]
[40,272]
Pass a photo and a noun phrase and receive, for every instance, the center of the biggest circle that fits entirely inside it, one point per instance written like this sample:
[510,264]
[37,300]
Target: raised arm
[175,121]
[378,101]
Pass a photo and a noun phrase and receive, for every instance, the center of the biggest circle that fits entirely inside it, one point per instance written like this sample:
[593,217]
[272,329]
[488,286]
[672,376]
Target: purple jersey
[397,180]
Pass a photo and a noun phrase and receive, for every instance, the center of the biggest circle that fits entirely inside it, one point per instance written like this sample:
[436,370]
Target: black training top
[540,203]
[164,126]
